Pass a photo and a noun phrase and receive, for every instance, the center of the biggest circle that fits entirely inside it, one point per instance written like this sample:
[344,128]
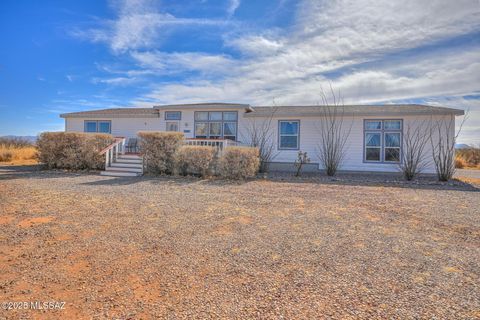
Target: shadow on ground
[347,179]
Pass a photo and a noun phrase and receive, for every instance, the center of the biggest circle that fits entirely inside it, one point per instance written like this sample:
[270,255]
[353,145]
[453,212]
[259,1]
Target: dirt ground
[152,248]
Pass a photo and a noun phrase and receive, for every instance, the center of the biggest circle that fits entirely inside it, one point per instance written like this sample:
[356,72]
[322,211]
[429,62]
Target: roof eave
[456,112]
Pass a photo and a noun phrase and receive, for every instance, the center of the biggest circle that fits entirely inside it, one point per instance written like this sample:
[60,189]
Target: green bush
[70,150]
[196,160]
[239,162]
[159,150]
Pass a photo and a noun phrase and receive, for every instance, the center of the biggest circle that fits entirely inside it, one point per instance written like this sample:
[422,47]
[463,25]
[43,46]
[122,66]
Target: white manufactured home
[374,141]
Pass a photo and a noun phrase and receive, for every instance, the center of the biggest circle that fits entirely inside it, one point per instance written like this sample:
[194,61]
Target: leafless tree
[260,133]
[334,132]
[443,139]
[414,158]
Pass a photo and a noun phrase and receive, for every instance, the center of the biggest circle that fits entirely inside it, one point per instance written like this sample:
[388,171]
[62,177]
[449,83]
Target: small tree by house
[414,158]
[260,133]
[302,158]
[333,133]
[442,139]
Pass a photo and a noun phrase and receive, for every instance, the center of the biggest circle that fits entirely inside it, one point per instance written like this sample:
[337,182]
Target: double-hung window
[383,140]
[288,134]
[216,125]
[102,126]
[172,119]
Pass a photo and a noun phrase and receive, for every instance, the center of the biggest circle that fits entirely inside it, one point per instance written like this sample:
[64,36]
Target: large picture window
[216,125]
[289,134]
[101,126]
[383,140]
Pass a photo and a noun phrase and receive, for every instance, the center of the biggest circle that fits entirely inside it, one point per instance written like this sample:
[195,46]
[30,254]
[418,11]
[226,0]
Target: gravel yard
[146,248]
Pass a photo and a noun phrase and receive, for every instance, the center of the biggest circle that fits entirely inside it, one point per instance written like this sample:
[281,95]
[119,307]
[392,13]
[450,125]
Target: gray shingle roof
[290,111]
[115,113]
[364,110]
[213,105]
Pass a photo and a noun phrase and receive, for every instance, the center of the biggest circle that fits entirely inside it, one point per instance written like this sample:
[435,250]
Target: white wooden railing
[111,152]
[218,143]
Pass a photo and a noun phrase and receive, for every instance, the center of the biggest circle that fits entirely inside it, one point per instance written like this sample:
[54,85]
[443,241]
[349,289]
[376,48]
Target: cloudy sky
[63,56]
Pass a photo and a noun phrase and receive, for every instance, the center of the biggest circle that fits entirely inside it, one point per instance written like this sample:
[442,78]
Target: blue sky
[65,56]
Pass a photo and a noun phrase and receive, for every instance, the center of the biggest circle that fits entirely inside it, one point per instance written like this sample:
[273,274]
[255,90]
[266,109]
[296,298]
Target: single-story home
[374,142]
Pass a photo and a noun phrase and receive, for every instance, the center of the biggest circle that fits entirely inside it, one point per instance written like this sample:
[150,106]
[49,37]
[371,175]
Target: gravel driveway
[147,248]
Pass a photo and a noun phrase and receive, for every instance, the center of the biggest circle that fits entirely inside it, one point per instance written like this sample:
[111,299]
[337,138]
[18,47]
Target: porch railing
[111,152]
[221,144]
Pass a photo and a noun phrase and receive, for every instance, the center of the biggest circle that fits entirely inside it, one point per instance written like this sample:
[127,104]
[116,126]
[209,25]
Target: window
[230,130]
[173,115]
[392,146]
[102,126]
[383,140]
[215,116]
[215,130]
[216,125]
[373,146]
[201,115]
[172,125]
[201,130]
[288,134]
[90,126]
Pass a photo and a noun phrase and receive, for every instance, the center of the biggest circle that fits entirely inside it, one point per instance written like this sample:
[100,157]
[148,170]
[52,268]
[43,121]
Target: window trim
[222,122]
[280,134]
[382,132]
[98,126]
[166,118]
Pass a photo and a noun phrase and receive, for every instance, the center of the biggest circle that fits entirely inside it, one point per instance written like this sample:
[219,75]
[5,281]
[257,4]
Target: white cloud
[171,63]
[139,24]
[232,7]
[116,81]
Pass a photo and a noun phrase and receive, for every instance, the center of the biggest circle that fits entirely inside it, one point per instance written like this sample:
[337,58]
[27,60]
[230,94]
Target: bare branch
[443,139]
[259,133]
[333,132]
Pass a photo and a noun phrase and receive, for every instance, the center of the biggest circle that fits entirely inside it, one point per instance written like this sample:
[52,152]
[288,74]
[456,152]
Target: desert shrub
[469,156]
[69,150]
[239,162]
[159,150]
[15,142]
[302,158]
[6,155]
[459,163]
[197,160]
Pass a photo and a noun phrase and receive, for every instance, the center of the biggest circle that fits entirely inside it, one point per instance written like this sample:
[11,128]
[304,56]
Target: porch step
[124,169]
[130,156]
[124,160]
[120,173]
[127,164]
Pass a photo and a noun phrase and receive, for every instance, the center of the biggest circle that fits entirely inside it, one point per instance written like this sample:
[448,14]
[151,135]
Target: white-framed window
[173,115]
[100,126]
[216,125]
[172,125]
[289,134]
[383,140]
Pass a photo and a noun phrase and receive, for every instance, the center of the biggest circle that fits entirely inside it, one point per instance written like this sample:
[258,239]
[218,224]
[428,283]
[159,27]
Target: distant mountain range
[31,139]
[462,146]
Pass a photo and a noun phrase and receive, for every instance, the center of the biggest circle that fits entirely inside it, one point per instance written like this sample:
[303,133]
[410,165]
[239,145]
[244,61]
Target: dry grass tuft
[468,158]
[18,155]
